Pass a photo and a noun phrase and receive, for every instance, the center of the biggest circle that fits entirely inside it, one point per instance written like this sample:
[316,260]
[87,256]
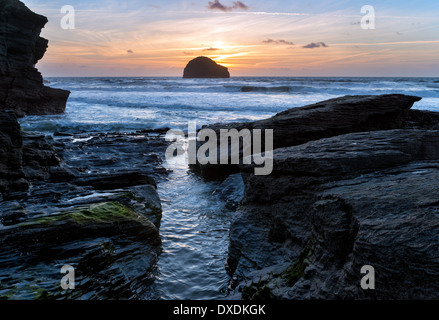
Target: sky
[250,37]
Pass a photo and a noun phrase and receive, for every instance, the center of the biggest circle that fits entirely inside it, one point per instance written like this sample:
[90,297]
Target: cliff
[21,47]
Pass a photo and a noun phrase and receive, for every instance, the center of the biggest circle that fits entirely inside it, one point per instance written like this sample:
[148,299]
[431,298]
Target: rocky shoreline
[78,204]
[337,201]
[331,206]
[354,183]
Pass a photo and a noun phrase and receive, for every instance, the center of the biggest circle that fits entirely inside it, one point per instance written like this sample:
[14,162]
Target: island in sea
[204,67]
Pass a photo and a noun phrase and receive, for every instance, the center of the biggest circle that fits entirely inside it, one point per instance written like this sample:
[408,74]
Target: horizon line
[433,77]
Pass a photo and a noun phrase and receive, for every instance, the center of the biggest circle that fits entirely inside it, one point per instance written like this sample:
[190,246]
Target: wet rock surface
[330,206]
[354,183]
[334,205]
[92,204]
[326,119]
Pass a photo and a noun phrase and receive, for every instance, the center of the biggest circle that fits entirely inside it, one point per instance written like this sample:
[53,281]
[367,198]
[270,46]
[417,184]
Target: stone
[21,47]
[111,245]
[203,67]
[107,227]
[334,205]
[321,120]
[11,154]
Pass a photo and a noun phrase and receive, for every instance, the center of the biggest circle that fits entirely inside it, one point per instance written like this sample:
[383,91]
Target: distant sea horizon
[274,76]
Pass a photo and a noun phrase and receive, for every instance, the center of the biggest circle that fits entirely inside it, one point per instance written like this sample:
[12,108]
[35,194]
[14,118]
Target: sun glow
[221,59]
[218,45]
[161,41]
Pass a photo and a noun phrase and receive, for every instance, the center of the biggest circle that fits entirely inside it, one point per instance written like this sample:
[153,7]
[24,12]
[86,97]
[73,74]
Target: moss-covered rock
[108,242]
[257,291]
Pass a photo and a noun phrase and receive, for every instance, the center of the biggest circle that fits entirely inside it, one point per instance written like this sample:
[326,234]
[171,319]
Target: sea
[195,223]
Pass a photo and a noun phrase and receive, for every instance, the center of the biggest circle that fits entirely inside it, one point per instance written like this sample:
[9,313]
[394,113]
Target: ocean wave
[127,104]
[138,86]
[265,89]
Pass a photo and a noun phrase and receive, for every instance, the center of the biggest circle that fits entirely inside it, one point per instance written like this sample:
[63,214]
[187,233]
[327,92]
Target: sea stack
[21,84]
[203,67]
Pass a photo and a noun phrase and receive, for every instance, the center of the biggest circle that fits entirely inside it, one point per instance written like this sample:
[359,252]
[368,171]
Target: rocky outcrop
[203,67]
[111,244]
[91,205]
[12,177]
[26,158]
[21,47]
[334,205]
[324,119]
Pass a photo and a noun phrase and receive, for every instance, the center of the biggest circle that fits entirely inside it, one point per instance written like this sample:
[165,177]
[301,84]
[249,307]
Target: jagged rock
[11,153]
[203,67]
[106,228]
[112,246]
[27,158]
[333,205]
[21,85]
[321,120]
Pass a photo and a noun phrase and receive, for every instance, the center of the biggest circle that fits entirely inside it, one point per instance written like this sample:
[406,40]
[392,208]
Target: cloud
[130,51]
[239,5]
[211,49]
[313,45]
[271,41]
[217,5]
[286,42]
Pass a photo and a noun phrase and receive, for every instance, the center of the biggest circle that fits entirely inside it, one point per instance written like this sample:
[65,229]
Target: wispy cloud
[217,5]
[313,45]
[285,42]
[388,43]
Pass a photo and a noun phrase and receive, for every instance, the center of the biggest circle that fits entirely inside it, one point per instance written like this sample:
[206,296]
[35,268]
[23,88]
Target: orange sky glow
[136,39]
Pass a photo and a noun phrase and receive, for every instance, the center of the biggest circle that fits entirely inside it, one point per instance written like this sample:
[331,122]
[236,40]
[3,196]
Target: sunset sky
[251,37]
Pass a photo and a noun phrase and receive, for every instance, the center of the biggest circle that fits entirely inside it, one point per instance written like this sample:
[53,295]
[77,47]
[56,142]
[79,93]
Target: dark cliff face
[21,47]
[11,143]
[203,67]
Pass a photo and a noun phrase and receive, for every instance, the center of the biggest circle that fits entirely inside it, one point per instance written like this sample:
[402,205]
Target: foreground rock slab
[112,246]
[322,120]
[334,205]
[88,203]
